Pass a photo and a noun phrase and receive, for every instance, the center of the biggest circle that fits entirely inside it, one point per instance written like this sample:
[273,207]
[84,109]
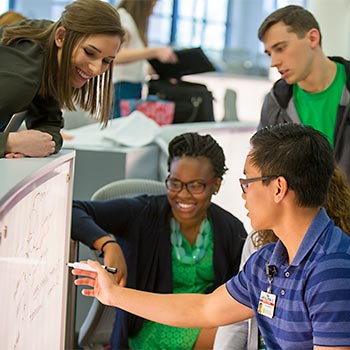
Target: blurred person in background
[131,66]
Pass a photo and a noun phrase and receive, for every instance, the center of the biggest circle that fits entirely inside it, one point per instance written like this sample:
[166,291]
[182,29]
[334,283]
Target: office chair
[96,329]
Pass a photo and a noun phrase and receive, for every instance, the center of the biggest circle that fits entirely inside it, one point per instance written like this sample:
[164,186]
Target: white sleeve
[235,336]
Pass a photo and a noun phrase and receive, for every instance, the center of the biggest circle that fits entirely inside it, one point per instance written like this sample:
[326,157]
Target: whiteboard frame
[23,178]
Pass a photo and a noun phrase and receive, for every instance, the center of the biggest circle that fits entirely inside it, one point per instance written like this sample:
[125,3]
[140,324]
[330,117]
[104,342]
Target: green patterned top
[187,278]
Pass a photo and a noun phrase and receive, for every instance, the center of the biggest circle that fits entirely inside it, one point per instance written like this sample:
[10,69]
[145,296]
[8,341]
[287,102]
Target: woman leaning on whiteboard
[46,66]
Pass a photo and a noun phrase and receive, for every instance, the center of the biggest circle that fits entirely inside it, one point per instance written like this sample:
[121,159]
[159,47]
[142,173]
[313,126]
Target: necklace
[199,246]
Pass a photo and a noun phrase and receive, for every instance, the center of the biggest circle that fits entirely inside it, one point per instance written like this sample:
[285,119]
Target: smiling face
[292,56]
[186,206]
[92,56]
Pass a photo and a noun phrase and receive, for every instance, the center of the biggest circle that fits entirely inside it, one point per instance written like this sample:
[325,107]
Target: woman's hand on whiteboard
[102,282]
[113,256]
[30,143]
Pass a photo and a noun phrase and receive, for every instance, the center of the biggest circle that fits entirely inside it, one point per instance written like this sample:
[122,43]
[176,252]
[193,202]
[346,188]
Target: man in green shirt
[313,89]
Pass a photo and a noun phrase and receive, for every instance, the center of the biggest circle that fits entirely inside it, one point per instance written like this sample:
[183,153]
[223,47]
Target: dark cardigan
[142,226]
[21,67]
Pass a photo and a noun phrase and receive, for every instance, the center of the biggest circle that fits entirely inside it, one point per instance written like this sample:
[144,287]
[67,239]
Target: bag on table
[193,101]
[159,110]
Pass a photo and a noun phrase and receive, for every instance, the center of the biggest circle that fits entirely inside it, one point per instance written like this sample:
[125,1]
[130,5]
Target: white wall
[334,20]
[250,93]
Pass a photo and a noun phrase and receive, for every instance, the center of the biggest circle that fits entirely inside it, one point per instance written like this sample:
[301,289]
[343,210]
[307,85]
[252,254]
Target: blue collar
[279,255]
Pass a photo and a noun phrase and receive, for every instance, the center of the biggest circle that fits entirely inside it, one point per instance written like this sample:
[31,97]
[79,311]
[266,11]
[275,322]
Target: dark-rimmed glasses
[193,187]
[245,182]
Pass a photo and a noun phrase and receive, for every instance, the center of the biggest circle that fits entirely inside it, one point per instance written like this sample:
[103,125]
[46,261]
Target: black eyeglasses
[245,182]
[193,187]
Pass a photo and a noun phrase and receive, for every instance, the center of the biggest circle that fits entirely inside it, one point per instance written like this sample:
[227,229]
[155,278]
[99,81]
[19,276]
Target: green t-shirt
[319,109]
[187,278]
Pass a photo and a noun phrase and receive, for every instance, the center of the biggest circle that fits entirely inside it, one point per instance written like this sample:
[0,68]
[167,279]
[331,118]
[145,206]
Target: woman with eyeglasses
[175,243]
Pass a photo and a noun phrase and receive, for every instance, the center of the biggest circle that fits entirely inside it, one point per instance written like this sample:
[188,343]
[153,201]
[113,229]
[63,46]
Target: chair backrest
[230,105]
[129,188]
[96,329]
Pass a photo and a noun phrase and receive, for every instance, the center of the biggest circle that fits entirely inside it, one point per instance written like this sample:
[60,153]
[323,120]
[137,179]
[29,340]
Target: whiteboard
[34,247]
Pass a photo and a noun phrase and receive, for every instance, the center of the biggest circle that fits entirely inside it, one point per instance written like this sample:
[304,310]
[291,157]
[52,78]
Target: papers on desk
[136,130]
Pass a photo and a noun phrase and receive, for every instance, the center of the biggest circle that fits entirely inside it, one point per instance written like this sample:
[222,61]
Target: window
[189,23]
[4,6]
[225,29]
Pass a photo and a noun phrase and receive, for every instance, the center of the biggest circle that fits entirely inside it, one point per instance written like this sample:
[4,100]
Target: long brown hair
[140,11]
[80,19]
[338,200]
[337,206]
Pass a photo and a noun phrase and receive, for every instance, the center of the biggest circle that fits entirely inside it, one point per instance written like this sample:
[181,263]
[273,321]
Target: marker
[86,267]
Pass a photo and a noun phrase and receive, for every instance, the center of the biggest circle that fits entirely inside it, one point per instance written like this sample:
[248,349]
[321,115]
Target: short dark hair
[192,144]
[298,19]
[301,154]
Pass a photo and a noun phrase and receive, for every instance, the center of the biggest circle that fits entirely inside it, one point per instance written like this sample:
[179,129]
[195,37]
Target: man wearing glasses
[297,288]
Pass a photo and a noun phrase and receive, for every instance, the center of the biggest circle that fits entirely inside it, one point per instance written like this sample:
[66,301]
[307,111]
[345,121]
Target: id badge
[267,303]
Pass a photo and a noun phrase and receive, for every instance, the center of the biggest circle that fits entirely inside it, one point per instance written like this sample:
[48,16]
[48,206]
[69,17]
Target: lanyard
[270,271]
[267,300]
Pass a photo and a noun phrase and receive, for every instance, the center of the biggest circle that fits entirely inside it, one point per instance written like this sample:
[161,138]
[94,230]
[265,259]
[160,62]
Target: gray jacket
[279,108]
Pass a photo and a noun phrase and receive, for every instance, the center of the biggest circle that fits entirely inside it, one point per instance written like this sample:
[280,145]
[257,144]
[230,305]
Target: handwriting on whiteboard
[32,260]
